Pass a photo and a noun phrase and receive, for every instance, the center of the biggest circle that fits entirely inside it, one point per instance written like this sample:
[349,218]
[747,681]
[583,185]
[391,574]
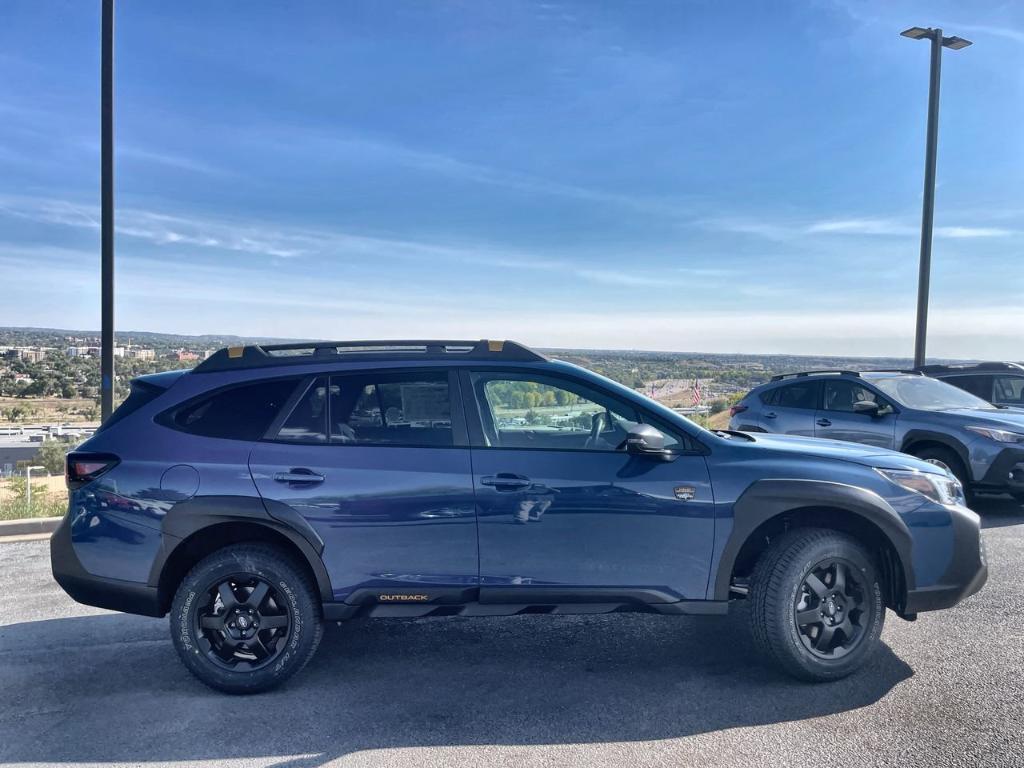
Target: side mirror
[868,408]
[645,440]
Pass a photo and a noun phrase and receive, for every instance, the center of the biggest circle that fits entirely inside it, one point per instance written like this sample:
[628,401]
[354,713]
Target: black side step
[444,606]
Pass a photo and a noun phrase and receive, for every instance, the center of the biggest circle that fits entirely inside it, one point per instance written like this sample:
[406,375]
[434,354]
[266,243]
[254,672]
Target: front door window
[552,414]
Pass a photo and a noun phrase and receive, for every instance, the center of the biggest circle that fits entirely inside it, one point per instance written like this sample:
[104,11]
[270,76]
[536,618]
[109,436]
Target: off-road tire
[776,585]
[297,600]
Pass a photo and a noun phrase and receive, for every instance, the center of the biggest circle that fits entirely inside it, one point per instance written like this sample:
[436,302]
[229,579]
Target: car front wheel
[817,606]
[246,618]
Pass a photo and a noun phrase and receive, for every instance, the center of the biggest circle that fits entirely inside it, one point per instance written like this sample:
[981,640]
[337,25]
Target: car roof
[985,367]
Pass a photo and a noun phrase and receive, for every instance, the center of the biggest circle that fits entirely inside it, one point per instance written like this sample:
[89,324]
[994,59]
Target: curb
[28,526]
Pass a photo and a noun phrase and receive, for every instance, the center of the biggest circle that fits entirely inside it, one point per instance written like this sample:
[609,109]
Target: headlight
[999,435]
[942,489]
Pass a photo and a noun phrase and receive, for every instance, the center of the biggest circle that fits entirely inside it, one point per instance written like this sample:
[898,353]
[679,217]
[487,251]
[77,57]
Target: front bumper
[1006,473]
[967,571]
[83,587]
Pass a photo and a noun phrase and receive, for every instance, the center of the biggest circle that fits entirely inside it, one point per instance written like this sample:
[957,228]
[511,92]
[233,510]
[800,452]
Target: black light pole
[928,206]
[107,212]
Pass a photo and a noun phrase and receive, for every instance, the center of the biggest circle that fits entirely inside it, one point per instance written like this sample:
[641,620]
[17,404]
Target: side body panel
[595,519]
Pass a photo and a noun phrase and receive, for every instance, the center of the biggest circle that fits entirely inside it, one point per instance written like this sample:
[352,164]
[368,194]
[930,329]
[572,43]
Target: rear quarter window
[242,412]
[141,394]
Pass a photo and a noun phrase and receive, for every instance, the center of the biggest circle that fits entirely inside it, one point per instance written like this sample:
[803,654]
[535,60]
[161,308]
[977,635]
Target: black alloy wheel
[832,609]
[244,625]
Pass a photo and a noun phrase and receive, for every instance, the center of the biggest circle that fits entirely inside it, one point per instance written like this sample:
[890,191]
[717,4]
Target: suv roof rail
[958,367]
[313,352]
[909,371]
[798,374]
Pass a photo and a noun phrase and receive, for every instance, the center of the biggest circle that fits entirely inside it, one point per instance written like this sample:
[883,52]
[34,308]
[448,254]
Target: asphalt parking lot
[82,686]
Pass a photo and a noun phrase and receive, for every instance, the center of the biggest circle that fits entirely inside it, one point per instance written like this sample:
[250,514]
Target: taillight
[81,468]
[738,409]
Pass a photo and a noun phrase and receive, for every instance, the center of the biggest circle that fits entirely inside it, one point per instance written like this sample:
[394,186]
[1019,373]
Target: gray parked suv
[999,383]
[980,443]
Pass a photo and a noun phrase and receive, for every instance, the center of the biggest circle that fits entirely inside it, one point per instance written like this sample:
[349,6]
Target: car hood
[1002,418]
[867,455]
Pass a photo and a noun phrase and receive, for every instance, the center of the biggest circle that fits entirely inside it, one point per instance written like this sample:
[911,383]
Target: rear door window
[244,412]
[411,409]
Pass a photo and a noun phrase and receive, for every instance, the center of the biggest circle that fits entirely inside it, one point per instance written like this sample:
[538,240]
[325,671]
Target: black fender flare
[770,498]
[927,436]
[190,517]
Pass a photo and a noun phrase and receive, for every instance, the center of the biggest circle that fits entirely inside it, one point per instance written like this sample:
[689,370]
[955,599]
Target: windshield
[928,394]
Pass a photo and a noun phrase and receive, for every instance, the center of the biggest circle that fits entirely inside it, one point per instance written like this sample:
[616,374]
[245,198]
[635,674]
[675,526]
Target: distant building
[136,353]
[183,356]
[28,354]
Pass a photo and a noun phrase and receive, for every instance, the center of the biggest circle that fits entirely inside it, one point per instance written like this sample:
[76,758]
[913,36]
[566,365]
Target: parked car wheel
[948,460]
[246,618]
[817,604]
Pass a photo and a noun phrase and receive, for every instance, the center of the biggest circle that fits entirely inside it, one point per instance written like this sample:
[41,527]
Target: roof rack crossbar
[315,352]
[910,371]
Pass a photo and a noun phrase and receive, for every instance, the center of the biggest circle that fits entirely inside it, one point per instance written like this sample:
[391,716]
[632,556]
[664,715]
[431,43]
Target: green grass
[44,504]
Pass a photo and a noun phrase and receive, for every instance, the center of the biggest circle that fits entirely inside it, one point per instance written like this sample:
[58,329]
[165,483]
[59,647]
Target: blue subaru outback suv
[275,487]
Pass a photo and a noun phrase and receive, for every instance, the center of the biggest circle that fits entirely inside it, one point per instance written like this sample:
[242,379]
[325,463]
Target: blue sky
[689,176]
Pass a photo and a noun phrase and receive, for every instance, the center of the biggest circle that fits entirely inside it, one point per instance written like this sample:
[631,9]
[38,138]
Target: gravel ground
[82,686]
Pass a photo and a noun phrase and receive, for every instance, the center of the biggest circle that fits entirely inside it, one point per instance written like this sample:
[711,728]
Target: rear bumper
[83,587]
[967,571]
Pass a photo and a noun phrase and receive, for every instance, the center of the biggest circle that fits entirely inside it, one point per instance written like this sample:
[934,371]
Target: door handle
[300,475]
[771,415]
[823,423]
[505,481]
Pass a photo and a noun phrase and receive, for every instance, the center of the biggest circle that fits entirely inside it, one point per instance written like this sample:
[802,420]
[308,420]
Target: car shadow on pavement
[997,512]
[110,688]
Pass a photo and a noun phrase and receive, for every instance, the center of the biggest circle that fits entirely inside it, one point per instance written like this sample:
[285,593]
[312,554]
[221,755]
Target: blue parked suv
[276,487]
[980,443]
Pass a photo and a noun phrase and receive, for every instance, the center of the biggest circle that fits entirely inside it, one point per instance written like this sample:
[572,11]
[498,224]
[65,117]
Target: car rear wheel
[246,618]
[817,606]
[947,459]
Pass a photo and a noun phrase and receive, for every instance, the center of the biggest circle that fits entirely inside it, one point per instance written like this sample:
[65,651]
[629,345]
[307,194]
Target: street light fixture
[928,206]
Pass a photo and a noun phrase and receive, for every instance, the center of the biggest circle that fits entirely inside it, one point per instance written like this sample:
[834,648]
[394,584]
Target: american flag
[698,393]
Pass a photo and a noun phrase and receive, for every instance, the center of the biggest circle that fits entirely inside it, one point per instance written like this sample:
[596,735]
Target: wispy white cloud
[859,227]
[170,160]
[395,154]
[212,298]
[787,231]
[969,232]
[259,239]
